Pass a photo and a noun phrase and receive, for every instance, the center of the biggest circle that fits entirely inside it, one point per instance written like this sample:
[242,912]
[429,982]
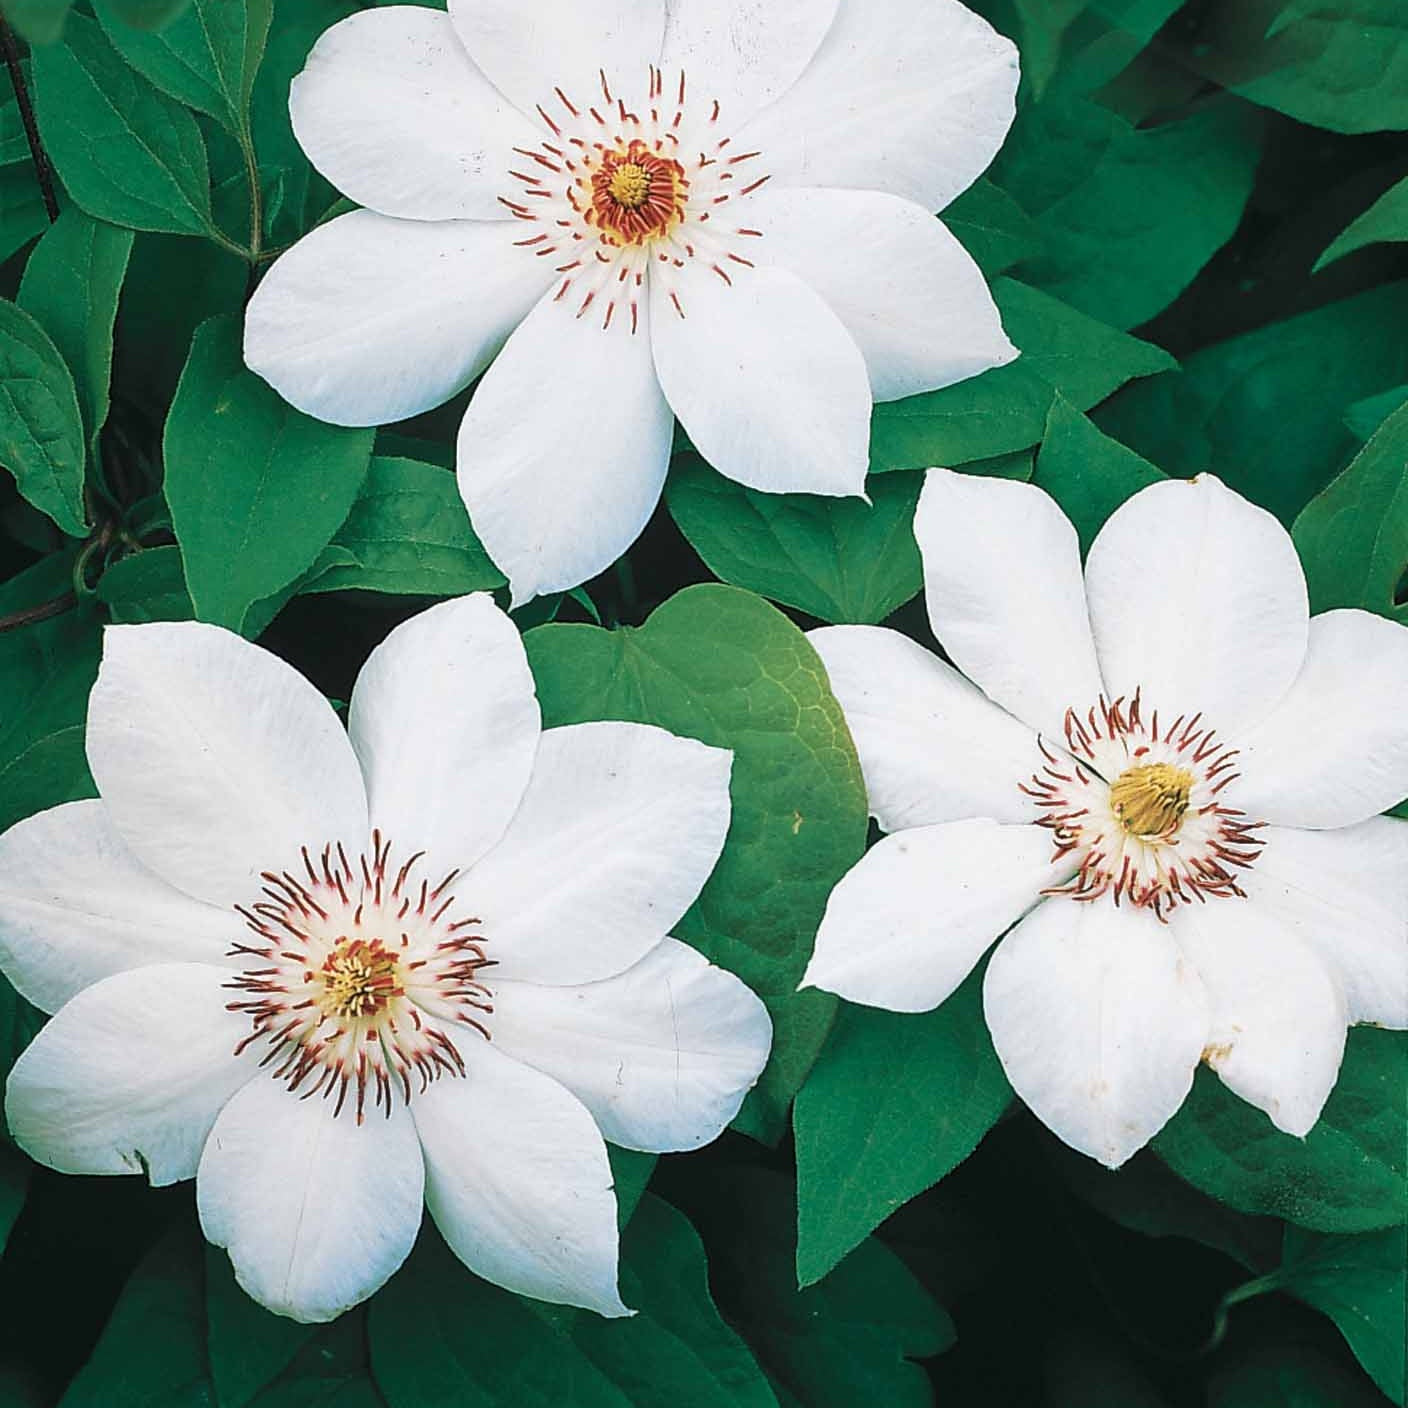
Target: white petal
[563,452]
[617,833]
[528,51]
[906,924]
[445,721]
[368,320]
[1336,749]
[391,110]
[910,99]
[216,760]
[317,1212]
[765,378]
[518,1182]
[1346,894]
[1099,1022]
[932,746]
[662,1055]
[741,52]
[909,294]
[130,1075]
[1278,1017]
[1197,600]
[1003,587]
[77,906]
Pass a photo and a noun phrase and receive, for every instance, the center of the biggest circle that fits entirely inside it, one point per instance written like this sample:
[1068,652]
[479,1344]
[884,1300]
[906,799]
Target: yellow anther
[1150,800]
[630,185]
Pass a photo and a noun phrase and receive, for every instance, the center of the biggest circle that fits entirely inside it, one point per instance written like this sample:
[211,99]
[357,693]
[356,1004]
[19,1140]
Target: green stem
[1261,1286]
[256,196]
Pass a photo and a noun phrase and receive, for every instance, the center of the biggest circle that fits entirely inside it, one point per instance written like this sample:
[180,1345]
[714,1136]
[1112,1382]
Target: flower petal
[1335,751]
[1098,1021]
[317,1211]
[393,112]
[1345,893]
[742,53]
[913,100]
[76,906]
[1278,1017]
[528,51]
[518,1182]
[932,746]
[909,294]
[617,833]
[907,923]
[1003,587]
[765,378]
[662,1054]
[445,721]
[216,760]
[130,1076]
[368,320]
[563,452]
[1197,599]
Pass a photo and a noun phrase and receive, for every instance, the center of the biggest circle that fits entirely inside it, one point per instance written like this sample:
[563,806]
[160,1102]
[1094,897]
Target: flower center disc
[1150,801]
[636,195]
[359,977]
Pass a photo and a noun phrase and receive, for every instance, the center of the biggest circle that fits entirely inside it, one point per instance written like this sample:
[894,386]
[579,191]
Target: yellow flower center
[630,186]
[1150,800]
[358,978]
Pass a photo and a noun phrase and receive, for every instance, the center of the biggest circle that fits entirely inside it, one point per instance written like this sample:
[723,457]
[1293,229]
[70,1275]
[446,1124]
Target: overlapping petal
[130,1076]
[368,320]
[216,760]
[909,294]
[76,906]
[662,1055]
[445,722]
[518,1181]
[906,925]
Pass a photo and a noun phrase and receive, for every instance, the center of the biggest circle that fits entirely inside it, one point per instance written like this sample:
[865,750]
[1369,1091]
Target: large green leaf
[442,1338]
[1127,215]
[37,21]
[844,1342]
[256,488]
[41,427]
[993,228]
[1288,1375]
[838,559]
[1265,411]
[127,153]
[894,1103]
[207,58]
[1386,221]
[1063,351]
[1349,1174]
[1353,536]
[147,586]
[71,285]
[407,533]
[247,1347]
[22,213]
[723,666]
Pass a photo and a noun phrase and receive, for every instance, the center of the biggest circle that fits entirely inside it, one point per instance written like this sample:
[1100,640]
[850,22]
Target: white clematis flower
[335,977]
[713,209]
[1164,780]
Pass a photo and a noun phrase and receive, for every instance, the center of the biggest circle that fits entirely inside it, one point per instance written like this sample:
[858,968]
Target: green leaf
[722,666]
[440,1336]
[993,228]
[332,1370]
[837,559]
[1289,1375]
[895,1102]
[248,1347]
[1353,536]
[1349,1174]
[70,287]
[256,488]
[19,1022]
[15,1170]
[147,586]
[1089,474]
[1386,221]
[127,153]
[1044,24]
[22,213]
[1005,409]
[630,1173]
[844,1342]
[147,14]
[1264,411]
[1332,63]
[14,141]
[1127,216]
[41,428]
[37,21]
[152,1351]
[1364,417]
[407,533]
[207,58]
[1359,1283]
